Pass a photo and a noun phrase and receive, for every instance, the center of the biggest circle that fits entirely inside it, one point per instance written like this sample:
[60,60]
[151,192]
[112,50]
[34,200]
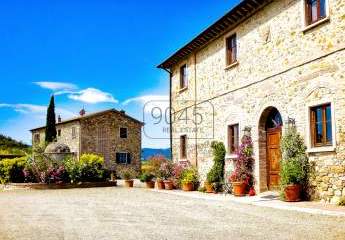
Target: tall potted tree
[242,177]
[216,174]
[294,165]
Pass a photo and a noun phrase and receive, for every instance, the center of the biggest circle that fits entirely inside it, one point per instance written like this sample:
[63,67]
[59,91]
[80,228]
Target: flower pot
[293,193]
[168,184]
[150,184]
[112,177]
[187,187]
[239,188]
[129,183]
[160,184]
[209,187]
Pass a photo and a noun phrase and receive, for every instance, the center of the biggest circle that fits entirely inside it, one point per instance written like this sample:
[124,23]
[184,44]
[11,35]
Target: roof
[235,16]
[91,115]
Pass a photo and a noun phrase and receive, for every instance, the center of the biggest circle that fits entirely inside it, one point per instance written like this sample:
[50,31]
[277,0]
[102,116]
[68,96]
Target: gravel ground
[120,213]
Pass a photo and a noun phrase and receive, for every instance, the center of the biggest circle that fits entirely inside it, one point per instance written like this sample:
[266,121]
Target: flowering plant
[166,170]
[244,165]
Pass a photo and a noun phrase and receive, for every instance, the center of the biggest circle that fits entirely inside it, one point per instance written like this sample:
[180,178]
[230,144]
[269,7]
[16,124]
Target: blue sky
[97,54]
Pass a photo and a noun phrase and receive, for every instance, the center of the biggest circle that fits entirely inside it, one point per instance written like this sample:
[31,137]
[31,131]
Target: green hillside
[10,146]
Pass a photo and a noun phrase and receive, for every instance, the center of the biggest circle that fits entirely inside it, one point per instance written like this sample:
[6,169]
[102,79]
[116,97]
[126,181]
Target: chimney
[122,111]
[82,112]
[59,119]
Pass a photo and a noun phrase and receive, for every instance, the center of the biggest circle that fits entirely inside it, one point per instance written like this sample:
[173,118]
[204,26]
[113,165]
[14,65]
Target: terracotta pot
[129,183]
[160,184]
[293,193]
[168,184]
[239,189]
[187,187]
[209,187]
[150,184]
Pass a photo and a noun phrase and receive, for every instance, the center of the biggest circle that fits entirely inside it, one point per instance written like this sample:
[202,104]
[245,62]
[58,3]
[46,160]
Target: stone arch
[270,122]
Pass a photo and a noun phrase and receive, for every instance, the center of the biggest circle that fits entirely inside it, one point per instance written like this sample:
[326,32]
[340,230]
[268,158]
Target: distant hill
[10,146]
[149,152]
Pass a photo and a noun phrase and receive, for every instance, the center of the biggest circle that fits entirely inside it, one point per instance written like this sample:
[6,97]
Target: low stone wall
[42,186]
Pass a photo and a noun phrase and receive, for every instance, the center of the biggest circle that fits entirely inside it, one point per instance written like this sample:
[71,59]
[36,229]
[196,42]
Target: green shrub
[216,174]
[294,163]
[11,170]
[146,177]
[202,189]
[154,165]
[190,175]
[126,172]
[91,168]
[73,169]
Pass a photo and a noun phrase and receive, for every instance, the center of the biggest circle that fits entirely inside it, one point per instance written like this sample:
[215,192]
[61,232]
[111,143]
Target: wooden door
[273,158]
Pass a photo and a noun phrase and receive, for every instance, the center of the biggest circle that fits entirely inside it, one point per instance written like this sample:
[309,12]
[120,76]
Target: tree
[51,121]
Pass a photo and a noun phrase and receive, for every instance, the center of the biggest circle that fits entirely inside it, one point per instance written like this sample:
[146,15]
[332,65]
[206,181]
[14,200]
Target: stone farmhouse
[265,64]
[111,133]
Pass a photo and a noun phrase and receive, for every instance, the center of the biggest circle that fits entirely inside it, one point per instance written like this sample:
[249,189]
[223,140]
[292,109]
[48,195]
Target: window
[231,50]
[321,125]
[233,139]
[59,133]
[74,133]
[123,158]
[315,11]
[183,147]
[183,77]
[123,132]
[37,138]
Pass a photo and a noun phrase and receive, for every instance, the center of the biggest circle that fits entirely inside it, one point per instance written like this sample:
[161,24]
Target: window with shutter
[321,125]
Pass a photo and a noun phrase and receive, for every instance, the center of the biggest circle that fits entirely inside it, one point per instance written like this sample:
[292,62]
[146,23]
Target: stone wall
[100,134]
[66,135]
[279,65]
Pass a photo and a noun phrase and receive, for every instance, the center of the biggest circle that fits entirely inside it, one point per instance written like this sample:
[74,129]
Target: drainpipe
[195,115]
[170,109]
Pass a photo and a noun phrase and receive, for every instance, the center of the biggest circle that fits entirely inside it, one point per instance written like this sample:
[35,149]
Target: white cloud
[92,95]
[55,86]
[37,110]
[150,101]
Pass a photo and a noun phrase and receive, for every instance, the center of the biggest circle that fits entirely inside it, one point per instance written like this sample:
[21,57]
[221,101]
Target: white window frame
[305,25]
[310,147]
[74,132]
[228,154]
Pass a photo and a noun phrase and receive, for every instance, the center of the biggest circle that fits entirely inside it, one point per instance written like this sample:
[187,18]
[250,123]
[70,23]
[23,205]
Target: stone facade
[281,64]
[99,133]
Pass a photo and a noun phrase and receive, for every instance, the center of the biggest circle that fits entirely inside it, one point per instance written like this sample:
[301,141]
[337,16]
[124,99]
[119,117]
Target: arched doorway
[270,131]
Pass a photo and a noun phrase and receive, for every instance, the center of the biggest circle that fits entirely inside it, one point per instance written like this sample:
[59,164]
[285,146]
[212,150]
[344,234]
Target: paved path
[120,213]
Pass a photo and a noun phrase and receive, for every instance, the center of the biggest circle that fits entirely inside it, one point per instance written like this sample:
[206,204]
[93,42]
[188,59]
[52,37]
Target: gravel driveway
[120,213]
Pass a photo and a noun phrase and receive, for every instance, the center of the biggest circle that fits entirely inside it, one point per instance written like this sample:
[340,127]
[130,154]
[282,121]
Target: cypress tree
[51,121]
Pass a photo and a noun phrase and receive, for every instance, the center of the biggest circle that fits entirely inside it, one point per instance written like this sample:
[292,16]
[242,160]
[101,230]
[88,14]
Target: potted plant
[166,171]
[147,178]
[239,184]
[176,174]
[189,179]
[155,164]
[216,175]
[294,165]
[242,177]
[128,174]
